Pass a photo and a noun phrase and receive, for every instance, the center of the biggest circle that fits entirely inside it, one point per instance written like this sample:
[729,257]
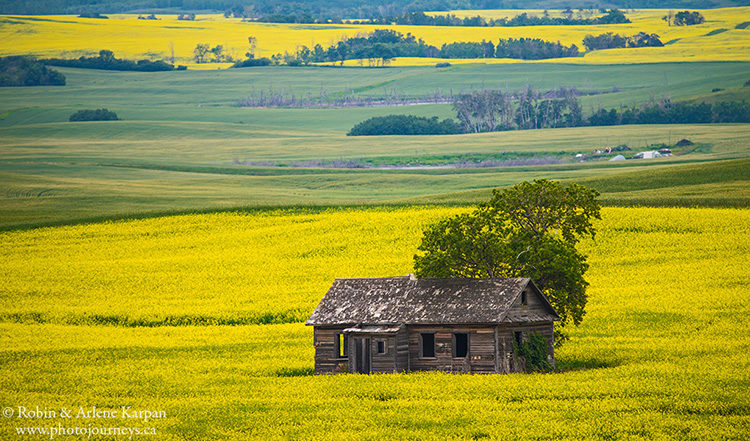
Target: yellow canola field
[239,267]
[661,353]
[70,36]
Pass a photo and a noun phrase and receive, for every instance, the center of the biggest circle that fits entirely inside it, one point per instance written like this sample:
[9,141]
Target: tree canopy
[21,70]
[106,60]
[404,125]
[528,230]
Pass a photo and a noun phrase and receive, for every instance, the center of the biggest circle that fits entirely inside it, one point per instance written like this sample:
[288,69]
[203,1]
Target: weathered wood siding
[480,359]
[534,308]
[326,357]
[386,362]
[491,349]
[507,360]
[402,351]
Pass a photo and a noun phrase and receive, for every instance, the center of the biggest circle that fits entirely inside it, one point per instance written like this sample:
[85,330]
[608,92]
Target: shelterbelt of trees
[613,16]
[318,9]
[106,60]
[494,110]
[26,71]
[609,40]
[385,44]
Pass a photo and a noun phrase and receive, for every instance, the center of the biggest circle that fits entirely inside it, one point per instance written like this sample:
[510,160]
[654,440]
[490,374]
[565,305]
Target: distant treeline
[381,45]
[493,110]
[524,19]
[107,61]
[26,71]
[325,10]
[612,41]
[405,125]
[674,113]
[421,19]
[93,15]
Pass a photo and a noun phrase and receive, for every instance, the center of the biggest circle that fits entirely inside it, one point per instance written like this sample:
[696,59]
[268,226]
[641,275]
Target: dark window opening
[428,345]
[381,347]
[524,298]
[519,337]
[341,344]
[460,345]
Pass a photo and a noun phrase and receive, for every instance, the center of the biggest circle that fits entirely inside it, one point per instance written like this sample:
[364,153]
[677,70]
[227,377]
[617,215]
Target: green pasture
[184,145]
[74,172]
[195,95]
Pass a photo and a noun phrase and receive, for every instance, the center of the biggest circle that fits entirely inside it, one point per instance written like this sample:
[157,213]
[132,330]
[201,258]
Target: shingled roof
[405,300]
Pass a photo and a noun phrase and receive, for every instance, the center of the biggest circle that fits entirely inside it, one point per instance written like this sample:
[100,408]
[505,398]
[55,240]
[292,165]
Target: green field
[209,96]
[184,145]
[105,315]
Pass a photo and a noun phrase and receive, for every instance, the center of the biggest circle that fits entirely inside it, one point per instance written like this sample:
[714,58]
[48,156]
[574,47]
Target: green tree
[687,18]
[107,56]
[200,52]
[342,51]
[218,52]
[528,230]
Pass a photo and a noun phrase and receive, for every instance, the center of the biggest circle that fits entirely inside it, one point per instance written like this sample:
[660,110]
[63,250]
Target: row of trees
[533,49]
[93,15]
[204,53]
[419,18]
[26,71]
[612,41]
[106,60]
[494,110]
[674,113]
[319,9]
[381,45]
[524,19]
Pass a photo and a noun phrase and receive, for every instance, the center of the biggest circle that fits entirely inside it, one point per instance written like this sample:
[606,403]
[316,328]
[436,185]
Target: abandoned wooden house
[398,324]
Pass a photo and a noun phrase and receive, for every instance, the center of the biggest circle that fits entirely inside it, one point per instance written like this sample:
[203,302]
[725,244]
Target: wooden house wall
[534,306]
[491,349]
[480,359]
[507,360]
[383,363]
[402,351]
[326,357]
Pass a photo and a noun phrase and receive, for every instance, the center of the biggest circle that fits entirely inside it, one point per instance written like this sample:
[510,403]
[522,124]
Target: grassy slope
[181,136]
[192,95]
[659,355]
[47,183]
[725,183]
